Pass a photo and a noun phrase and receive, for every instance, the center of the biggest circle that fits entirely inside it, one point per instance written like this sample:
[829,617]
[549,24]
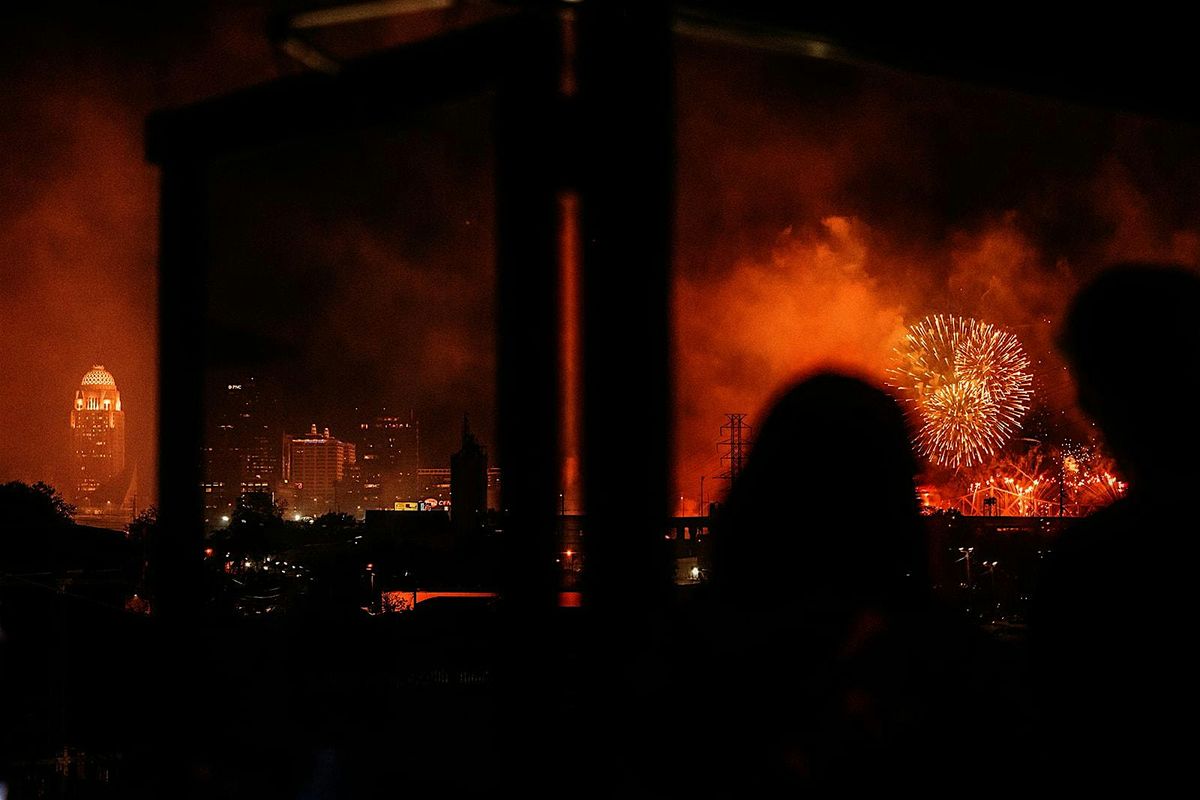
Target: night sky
[822,207]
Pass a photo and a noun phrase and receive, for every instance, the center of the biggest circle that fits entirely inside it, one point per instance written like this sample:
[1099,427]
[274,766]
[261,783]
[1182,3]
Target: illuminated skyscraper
[314,466]
[101,485]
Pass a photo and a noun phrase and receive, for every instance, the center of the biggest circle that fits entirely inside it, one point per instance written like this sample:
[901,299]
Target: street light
[991,568]
[966,551]
[371,576]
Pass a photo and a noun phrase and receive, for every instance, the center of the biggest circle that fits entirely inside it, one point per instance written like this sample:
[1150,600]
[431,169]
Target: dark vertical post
[626,196]
[175,555]
[528,135]
[528,182]
[625,176]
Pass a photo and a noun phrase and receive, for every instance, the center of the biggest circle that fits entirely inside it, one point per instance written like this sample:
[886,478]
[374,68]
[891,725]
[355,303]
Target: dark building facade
[389,455]
[242,453]
[468,482]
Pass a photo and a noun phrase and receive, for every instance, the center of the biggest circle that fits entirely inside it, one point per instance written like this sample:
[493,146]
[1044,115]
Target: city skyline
[253,448]
[378,466]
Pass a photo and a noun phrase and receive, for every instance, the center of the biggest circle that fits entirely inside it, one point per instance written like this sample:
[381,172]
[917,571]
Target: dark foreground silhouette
[828,664]
[1116,610]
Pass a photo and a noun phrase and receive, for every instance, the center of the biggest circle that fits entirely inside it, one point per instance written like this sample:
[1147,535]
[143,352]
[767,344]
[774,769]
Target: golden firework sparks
[969,383]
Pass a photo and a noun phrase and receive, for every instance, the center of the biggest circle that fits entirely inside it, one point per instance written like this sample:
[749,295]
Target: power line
[735,442]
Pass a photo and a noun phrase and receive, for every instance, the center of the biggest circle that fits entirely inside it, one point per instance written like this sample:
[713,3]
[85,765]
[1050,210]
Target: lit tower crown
[97,433]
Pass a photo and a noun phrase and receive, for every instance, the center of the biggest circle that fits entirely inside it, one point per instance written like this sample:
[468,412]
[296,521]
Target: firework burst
[969,383]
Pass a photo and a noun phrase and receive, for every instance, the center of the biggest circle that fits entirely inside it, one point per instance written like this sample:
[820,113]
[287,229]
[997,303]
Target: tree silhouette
[257,520]
[36,506]
[257,509]
[143,525]
[335,520]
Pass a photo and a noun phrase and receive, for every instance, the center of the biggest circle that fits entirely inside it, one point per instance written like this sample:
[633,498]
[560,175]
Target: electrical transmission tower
[735,441]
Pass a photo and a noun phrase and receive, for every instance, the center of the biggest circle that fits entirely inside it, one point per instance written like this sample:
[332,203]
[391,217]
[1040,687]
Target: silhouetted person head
[825,508]
[1132,337]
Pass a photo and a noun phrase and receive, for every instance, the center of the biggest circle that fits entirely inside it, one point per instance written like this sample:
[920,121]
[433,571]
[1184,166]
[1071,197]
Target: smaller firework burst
[1090,477]
[958,421]
[1015,485]
[1041,481]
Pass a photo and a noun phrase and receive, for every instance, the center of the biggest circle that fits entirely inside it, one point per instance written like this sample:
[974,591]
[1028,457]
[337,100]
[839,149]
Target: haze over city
[846,205]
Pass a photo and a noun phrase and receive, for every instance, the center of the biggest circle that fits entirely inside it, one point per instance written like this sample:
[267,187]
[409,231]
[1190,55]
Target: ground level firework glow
[969,383]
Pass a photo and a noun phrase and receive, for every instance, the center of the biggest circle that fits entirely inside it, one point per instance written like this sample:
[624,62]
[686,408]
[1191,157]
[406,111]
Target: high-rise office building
[314,467]
[389,457]
[101,487]
[97,433]
[242,447]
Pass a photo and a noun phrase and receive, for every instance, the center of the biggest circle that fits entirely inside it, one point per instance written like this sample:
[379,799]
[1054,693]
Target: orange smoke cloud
[80,286]
[840,298]
[813,304]
[1000,275]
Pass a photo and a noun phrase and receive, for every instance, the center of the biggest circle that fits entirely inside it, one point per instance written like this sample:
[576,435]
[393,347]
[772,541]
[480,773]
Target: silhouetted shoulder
[1114,661]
